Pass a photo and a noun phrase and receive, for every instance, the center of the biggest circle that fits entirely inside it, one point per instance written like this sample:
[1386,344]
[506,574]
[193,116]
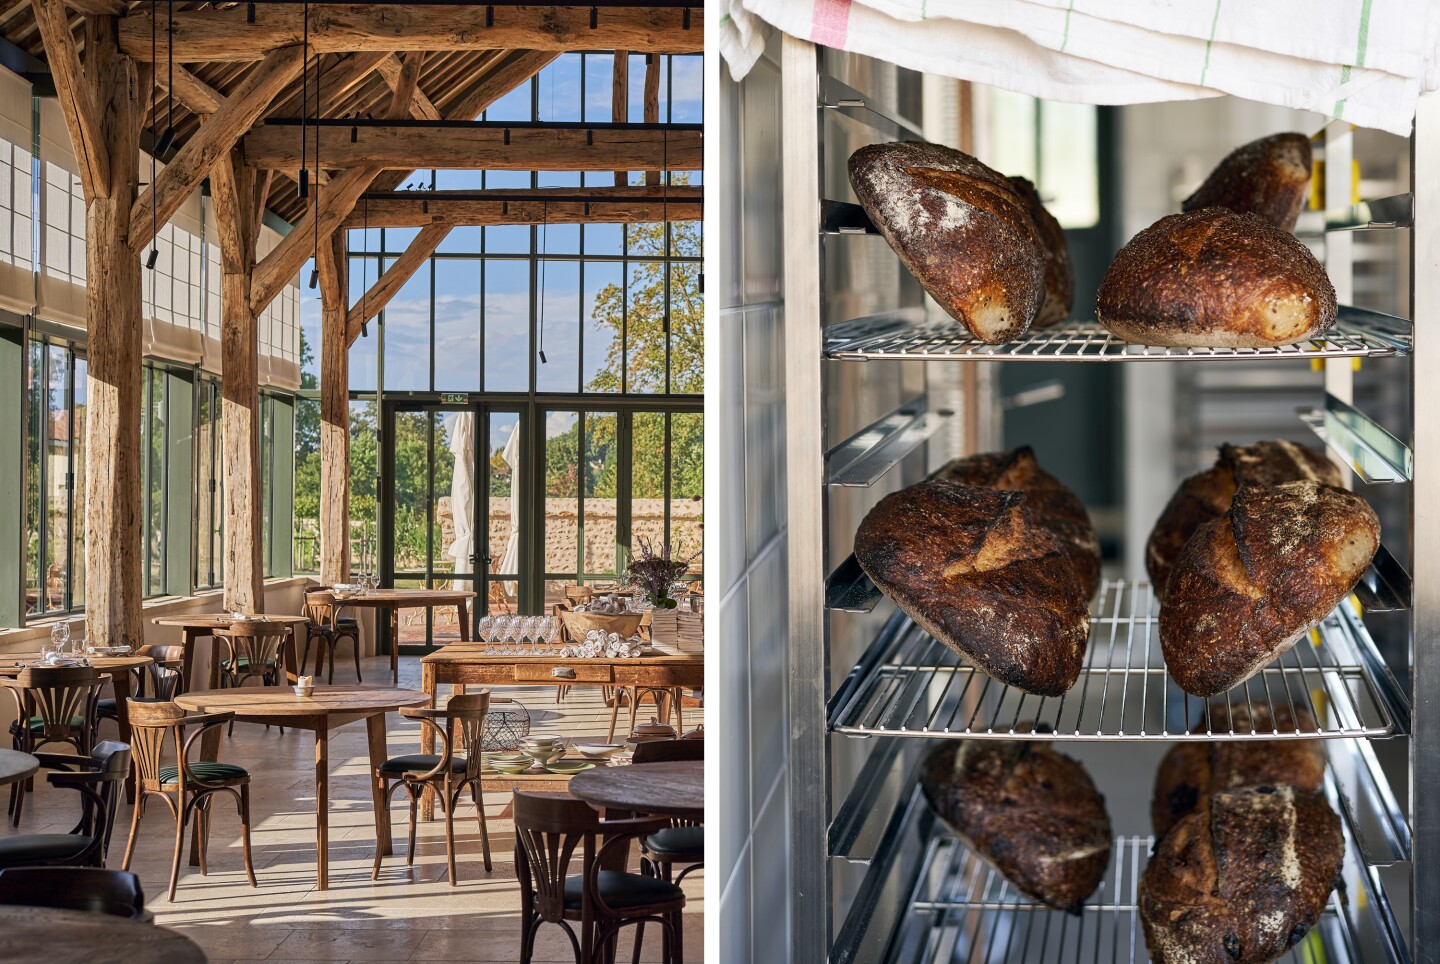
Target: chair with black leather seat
[683,842]
[444,773]
[150,683]
[98,778]
[329,627]
[59,703]
[549,828]
[97,891]
[189,786]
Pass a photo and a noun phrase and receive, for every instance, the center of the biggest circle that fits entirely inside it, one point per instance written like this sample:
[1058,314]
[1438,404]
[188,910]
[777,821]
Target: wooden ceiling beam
[218,35]
[421,247]
[99,8]
[77,96]
[213,141]
[407,147]
[640,204]
[394,71]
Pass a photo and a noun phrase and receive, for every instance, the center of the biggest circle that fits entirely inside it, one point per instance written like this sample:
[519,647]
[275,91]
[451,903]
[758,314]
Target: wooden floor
[408,914]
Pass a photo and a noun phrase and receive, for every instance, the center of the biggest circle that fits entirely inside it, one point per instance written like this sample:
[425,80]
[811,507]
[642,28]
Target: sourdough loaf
[1032,813]
[1213,278]
[1191,772]
[1251,583]
[1059,277]
[973,568]
[1269,177]
[1243,879]
[1050,502]
[1207,495]
[960,228]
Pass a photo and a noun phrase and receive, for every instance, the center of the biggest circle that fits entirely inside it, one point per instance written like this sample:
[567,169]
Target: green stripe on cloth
[1214,21]
[1065,40]
[1362,41]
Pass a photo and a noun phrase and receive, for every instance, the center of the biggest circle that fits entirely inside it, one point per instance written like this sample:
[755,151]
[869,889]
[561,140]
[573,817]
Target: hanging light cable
[154,254]
[168,138]
[319,75]
[365,274]
[544,247]
[305,103]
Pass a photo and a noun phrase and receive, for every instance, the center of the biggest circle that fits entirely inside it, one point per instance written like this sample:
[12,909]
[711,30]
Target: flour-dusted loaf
[1207,495]
[973,568]
[1191,772]
[960,228]
[1051,503]
[1032,813]
[1059,276]
[1213,278]
[1269,177]
[1243,879]
[1251,583]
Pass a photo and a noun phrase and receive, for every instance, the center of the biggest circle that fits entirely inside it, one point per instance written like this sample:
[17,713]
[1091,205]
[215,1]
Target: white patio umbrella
[510,561]
[462,493]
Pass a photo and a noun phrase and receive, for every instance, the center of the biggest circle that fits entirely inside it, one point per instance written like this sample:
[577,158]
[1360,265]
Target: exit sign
[454,398]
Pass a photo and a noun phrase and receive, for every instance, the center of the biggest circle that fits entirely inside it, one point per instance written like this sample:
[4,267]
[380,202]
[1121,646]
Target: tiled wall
[747,395]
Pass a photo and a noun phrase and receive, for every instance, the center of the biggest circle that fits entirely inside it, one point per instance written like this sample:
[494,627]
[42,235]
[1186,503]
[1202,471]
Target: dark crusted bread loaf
[1241,880]
[1207,495]
[973,568]
[1032,813]
[1051,503]
[961,230]
[1269,177]
[1215,279]
[1191,772]
[1059,277]
[1251,583]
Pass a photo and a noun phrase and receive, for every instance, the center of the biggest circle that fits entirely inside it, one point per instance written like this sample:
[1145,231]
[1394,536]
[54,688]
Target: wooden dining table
[83,937]
[196,626]
[675,788]
[397,599]
[327,708]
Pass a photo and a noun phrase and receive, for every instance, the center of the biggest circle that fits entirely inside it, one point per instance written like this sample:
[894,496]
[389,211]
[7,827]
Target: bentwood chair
[252,649]
[98,891]
[58,705]
[682,844]
[329,628]
[99,779]
[549,829]
[189,786]
[444,773]
[150,682]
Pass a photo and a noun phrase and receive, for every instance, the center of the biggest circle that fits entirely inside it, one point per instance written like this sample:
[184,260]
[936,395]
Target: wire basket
[505,729]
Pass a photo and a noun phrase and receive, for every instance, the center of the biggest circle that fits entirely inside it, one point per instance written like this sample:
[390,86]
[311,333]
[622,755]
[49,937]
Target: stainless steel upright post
[1425,535]
[808,772]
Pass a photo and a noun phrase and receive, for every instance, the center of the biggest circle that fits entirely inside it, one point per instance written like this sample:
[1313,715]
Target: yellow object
[1317,185]
[1354,181]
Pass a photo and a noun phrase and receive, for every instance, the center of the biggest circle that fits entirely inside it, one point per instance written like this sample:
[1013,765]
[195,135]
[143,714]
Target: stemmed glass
[547,633]
[504,633]
[531,630]
[60,639]
[482,628]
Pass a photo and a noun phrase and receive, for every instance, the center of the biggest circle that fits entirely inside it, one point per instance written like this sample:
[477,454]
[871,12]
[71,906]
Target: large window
[55,459]
[209,488]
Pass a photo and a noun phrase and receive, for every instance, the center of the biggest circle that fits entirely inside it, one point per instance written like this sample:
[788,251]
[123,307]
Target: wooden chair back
[548,830]
[56,696]
[664,751]
[155,683]
[321,608]
[99,783]
[113,892]
[152,724]
[464,716]
[256,641]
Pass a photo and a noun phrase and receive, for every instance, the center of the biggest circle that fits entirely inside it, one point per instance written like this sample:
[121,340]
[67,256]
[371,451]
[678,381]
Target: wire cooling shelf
[966,912]
[912,686]
[912,334]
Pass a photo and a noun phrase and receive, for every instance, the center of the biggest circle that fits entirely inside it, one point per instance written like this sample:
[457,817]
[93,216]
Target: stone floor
[409,914]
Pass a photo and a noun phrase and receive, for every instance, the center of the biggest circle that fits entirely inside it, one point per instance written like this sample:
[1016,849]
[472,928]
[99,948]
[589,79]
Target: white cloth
[510,561]
[462,495]
[1364,61]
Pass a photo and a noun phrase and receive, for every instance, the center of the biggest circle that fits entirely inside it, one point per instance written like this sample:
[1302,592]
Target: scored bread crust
[1032,813]
[974,569]
[1059,276]
[1207,495]
[1051,503]
[1243,879]
[1213,278]
[1251,583]
[1269,177]
[961,230]
[1191,772]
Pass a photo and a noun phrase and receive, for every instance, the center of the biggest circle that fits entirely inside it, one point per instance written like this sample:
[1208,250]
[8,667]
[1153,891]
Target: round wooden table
[193,626]
[16,766]
[80,937]
[672,789]
[398,599]
[327,708]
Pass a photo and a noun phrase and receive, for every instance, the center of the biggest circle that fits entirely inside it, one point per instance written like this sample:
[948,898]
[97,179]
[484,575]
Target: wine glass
[503,633]
[532,632]
[548,627]
[60,639]
[482,628]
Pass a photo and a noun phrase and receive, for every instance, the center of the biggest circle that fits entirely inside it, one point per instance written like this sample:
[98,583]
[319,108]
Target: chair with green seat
[445,773]
[189,786]
[98,778]
[150,682]
[329,627]
[252,649]
[549,829]
[60,705]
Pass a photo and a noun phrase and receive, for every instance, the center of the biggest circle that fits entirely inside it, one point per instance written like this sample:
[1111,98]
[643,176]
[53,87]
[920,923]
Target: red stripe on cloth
[830,22]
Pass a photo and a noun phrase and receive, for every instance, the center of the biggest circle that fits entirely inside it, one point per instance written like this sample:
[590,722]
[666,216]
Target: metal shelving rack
[924,896]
